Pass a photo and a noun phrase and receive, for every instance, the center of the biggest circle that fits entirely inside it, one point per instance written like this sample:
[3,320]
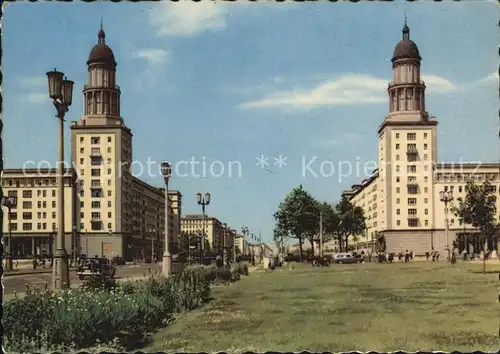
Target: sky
[256,91]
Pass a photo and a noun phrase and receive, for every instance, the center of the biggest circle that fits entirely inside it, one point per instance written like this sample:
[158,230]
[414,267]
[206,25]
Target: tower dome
[406,48]
[101,53]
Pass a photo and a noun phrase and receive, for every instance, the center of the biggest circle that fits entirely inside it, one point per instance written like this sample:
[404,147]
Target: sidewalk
[31,271]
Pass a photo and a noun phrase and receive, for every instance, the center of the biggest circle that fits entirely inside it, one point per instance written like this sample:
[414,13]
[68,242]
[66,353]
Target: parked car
[116,261]
[96,267]
[347,258]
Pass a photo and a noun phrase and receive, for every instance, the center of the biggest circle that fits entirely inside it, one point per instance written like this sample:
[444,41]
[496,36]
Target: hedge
[106,312]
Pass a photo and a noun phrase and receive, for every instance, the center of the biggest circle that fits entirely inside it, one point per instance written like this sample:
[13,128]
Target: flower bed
[123,314]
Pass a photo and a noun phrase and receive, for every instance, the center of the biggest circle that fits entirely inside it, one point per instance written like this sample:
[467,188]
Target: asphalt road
[17,283]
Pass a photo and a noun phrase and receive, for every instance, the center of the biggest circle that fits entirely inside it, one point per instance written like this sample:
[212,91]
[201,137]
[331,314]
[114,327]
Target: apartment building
[241,244]
[34,217]
[217,236]
[114,212]
[401,199]
[119,213]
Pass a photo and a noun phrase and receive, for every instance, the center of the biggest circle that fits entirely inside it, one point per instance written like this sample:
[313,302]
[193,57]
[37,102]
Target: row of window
[43,226]
[412,212]
[411,136]
[414,222]
[464,177]
[412,201]
[95,139]
[40,204]
[95,193]
[30,182]
[412,190]
[95,204]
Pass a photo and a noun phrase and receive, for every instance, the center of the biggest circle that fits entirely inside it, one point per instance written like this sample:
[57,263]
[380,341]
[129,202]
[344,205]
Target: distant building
[217,236]
[401,199]
[34,218]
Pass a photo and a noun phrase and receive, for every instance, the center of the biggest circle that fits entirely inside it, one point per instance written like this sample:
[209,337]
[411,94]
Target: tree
[351,221]
[297,217]
[479,209]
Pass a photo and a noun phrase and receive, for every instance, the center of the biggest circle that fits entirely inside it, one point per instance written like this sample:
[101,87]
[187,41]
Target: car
[117,261]
[96,267]
[347,258]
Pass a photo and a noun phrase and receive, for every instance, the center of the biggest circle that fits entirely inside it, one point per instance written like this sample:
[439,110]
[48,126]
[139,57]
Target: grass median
[382,307]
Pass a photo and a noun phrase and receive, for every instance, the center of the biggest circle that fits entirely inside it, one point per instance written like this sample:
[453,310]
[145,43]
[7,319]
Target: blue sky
[231,82]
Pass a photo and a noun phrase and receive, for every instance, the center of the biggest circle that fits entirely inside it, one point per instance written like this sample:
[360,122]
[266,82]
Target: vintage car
[347,258]
[96,267]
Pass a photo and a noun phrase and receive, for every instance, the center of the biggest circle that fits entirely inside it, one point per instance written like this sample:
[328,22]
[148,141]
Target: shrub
[243,269]
[103,311]
[100,283]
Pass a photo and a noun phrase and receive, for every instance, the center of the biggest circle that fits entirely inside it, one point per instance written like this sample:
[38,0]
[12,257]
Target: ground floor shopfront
[130,247]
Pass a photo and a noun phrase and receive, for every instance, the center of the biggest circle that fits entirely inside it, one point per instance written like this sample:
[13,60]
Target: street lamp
[166,171]
[61,93]
[203,201]
[74,243]
[233,235]
[10,203]
[224,243]
[446,197]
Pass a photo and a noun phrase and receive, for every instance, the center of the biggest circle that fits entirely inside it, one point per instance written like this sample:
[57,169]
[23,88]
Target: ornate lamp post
[10,203]
[446,197]
[203,201]
[224,243]
[74,244]
[166,171]
[61,93]
[233,235]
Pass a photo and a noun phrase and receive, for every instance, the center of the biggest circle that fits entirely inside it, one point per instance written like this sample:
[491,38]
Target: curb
[30,272]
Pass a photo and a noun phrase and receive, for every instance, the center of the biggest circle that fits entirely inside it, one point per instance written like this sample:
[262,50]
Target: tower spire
[101,36]
[406,29]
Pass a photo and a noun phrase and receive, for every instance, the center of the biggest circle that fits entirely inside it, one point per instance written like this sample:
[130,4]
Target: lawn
[380,307]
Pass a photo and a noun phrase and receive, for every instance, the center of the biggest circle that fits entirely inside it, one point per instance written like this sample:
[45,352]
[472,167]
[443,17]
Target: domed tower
[407,91]
[101,151]
[407,152]
[101,94]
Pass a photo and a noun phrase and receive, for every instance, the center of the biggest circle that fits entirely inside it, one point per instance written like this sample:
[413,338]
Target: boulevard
[17,283]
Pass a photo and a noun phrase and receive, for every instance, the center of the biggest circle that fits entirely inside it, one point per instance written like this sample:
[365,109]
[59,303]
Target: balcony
[96,153]
[411,150]
[412,182]
[412,217]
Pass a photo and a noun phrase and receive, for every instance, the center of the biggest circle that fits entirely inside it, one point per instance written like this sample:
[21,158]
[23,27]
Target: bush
[96,282]
[103,311]
[243,269]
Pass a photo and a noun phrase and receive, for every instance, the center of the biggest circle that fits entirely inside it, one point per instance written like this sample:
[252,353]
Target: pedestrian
[453,259]
[370,257]
[427,254]
[464,254]
[407,256]
[437,256]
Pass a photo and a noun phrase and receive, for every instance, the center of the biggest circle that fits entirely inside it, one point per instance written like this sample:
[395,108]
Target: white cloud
[438,84]
[33,82]
[37,98]
[152,55]
[346,90]
[352,89]
[186,18]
